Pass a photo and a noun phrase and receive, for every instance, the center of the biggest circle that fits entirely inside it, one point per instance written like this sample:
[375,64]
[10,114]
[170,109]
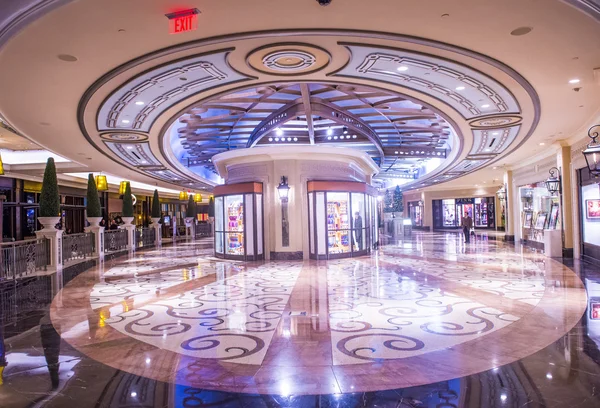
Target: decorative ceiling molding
[137,103]
[469,92]
[589,7]
[284,59]
[17,14]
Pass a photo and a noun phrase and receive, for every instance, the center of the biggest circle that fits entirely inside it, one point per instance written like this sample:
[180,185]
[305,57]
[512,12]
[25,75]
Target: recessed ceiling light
[495,134]
[542,144]
[328,137]
[485,106]
[277,139]
[139,103]
[354,136]
[521,31]
[335,137]
[574,81]
[130,147]
[460,88]
[289,139]
[329,131]
[125,121]
[396,152]
[402,68]
[278,132]
[295,139]
[67,57]
[494,168]
[487,150]
[347,136]
[270,139]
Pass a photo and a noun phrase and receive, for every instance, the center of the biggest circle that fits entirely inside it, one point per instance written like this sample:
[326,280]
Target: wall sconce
[101,183]
[592,153]
[283,189]
[553,182]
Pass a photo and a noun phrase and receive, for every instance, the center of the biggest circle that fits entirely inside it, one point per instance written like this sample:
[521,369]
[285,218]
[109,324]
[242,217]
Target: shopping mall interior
[308,203]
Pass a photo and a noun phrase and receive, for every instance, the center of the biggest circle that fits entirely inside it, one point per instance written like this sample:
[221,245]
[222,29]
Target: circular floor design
[405,317]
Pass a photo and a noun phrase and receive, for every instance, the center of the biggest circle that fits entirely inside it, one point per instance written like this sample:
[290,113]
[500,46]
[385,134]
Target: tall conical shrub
[93,202]
[191,207]
[211,207]
[155,213]
[127,202]
[49,199]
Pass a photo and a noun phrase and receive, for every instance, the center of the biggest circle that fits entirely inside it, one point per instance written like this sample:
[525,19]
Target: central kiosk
[289,204]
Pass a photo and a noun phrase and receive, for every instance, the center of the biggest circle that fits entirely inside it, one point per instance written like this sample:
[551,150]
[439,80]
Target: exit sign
[183,21]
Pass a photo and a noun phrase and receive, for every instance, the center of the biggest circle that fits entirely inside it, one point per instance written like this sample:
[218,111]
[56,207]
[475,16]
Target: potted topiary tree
[49,214]
[155,213]
[190,212]
[94,212]
[127,206]
[211,208]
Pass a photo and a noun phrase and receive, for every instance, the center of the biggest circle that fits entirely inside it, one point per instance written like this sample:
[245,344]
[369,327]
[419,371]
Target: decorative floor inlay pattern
[424,310]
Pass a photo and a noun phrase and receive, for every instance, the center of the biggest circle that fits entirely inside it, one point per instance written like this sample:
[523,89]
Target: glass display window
[590,210]
[239,221]
[340,222]
[539,211]
[449,213]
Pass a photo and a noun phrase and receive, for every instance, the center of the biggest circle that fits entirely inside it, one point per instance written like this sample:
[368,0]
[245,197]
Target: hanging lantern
[197,197]
[101,183]
[553,182]
[123,187]
[283,189]
[501,193]
[183,196]
[1,167]
[592,153]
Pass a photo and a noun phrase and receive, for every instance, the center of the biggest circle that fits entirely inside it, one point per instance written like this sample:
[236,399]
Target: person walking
[358,230]
[467,224]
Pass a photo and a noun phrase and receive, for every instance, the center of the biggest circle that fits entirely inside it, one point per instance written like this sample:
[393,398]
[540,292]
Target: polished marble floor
[426,321]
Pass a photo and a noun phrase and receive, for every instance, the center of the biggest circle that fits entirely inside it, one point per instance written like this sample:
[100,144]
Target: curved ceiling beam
[318,108]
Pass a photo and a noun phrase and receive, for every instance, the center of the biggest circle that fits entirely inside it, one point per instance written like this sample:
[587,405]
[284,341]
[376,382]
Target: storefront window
[219,225]
[358,221]
[338,223]
[449,213]
[590,202]
[415,209]
[539,211]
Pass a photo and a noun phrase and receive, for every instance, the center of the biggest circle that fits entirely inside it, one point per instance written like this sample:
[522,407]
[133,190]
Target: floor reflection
[41,369]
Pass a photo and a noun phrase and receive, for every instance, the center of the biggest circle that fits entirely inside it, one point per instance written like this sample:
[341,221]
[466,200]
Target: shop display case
[448,213]
[239,221]
[341,219]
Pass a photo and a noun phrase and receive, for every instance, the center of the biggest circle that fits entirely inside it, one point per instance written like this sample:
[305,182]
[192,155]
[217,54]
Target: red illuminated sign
[183,21]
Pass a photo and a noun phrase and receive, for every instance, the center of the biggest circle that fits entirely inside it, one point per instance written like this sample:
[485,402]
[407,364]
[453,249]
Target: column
[564,164]
[427,211]
[157,231]
[512,206]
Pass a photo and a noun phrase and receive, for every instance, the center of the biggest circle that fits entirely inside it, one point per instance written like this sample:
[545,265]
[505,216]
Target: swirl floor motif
[421,311]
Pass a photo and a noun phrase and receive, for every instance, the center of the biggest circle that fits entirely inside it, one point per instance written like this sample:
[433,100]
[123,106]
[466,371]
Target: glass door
[234,217]
[338,223]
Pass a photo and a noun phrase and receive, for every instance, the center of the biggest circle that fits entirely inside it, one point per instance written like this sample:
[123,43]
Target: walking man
[467,224]
[358,230]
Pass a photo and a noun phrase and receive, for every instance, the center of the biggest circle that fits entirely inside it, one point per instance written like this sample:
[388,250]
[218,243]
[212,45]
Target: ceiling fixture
[125,121]
[460,88]
[139,103]
[328,137]
[278,132]
[101,183]
[495,134]
[521,31]
[289,139]
[329,131]
[574,81]
[270,139]
[402,68]
[592,153]
[295,139]
[277,139]
[542,144]
[283,189]
[67,57]
[354,136]
[485,106]
[345,129]
[335,137]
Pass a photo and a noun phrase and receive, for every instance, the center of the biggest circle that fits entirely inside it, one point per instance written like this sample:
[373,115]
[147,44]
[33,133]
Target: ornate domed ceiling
[405,138]
[447,90]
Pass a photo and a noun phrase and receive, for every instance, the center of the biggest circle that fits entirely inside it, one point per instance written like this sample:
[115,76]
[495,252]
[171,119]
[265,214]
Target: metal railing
[145,237]
[23,258]
[77,246]
[202,230]
[115,240]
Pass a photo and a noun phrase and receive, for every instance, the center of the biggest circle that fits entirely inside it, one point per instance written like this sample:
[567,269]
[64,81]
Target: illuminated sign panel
[183,21]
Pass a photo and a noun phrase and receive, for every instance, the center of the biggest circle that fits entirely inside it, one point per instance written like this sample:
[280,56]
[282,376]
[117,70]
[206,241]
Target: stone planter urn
[128,220]
[94,221]
[48,222]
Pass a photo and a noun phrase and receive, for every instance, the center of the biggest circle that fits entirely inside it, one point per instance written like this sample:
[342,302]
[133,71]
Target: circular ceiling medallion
[288,59]
[496,121]
[124,137]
